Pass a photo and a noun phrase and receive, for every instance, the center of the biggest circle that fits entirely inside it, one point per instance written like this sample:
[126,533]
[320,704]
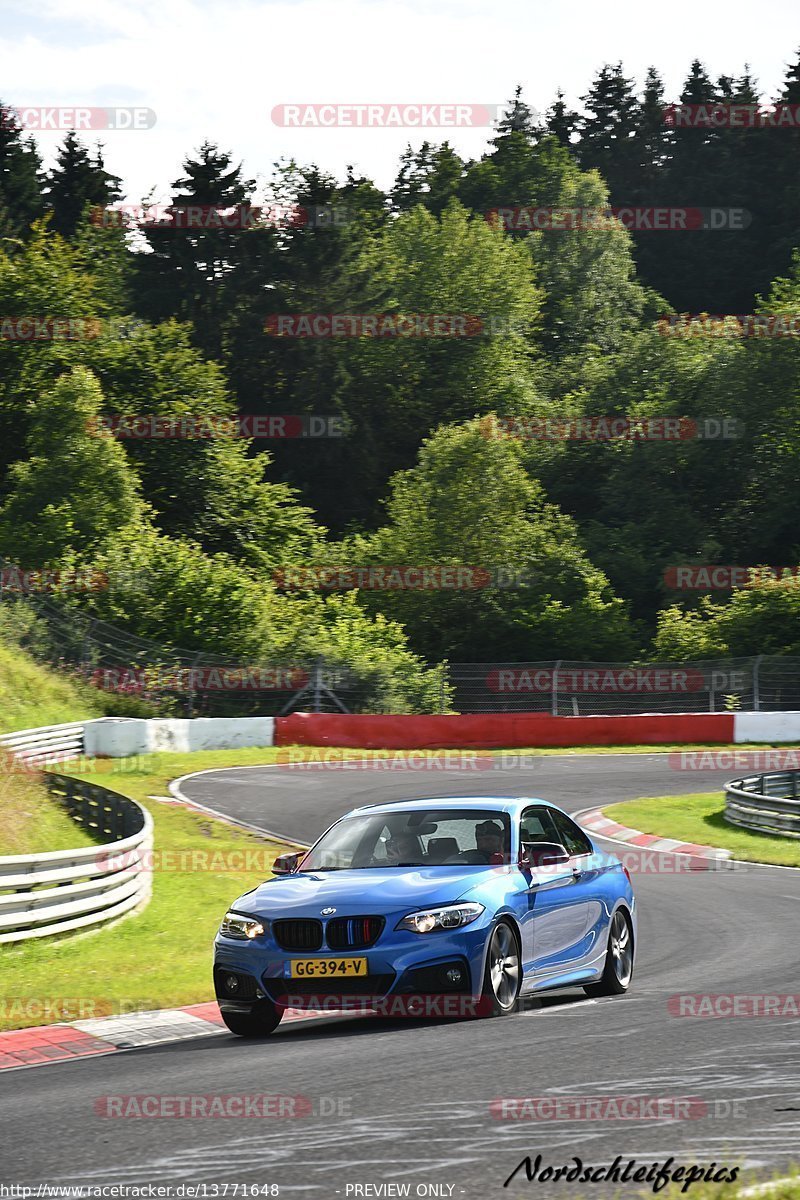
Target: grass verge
[160,957]
[32,695]
[699,818]
[32,821]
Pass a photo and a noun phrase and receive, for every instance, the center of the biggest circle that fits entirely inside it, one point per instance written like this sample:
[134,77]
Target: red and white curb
[597,823]
[104,1035]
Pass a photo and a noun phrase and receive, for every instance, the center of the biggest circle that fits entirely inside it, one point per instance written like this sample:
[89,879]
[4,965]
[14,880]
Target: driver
[403,847]
[489,839]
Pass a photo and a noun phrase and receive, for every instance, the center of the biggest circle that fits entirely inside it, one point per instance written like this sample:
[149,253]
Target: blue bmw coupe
[483,900]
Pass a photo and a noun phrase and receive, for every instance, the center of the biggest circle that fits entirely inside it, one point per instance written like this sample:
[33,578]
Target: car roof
[509,804]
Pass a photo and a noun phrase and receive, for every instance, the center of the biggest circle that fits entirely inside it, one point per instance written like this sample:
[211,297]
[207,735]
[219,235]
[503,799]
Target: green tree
[659,498]
[20,176]
[591,296]
[190,272]
[45,279]
[561,121]
[393,391]
[430,176]
[608,130]
[763,618]
[75,490]
[169,590]
[78,181]
[469,502]
[202,481]
[518,118]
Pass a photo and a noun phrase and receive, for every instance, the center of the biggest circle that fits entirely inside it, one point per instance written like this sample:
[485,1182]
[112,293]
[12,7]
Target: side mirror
[541,855]
[286,864]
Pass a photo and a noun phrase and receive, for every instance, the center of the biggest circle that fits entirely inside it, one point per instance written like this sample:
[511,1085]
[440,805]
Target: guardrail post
[756,683]
[554,701]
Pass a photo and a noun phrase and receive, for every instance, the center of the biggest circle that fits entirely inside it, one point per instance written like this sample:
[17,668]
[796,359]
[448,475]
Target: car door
[556,936]
[592,879]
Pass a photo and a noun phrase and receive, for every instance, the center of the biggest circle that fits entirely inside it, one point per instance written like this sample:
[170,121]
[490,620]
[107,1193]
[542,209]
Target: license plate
[305,968]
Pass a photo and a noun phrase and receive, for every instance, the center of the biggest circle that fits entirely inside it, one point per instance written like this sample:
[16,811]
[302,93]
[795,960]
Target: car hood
[374,890]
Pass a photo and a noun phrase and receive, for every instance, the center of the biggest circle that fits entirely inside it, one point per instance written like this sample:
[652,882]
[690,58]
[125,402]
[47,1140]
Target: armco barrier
[492,730]
[50,744]
[63,890]
[768,803]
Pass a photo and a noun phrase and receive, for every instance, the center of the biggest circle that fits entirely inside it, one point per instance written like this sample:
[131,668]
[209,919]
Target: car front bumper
[401,963]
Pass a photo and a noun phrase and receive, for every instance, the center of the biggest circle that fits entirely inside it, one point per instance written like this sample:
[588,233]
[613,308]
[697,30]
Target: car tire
[618,968]
[502,975]
[262,1019]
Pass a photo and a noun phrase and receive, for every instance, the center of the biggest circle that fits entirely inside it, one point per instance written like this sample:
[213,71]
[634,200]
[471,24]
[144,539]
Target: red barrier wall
[488,730]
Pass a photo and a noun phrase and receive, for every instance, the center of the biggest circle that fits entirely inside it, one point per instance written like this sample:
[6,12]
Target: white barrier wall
[123,737]
[766,726]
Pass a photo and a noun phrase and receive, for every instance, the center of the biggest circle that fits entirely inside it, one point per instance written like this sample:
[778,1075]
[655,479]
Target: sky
[215,69]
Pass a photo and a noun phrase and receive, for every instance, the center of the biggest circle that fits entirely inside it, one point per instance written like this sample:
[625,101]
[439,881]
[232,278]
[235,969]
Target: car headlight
[451,916]
[237,925]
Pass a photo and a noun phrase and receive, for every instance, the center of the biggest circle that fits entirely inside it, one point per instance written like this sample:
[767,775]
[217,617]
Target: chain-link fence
[141,677]
[566,688]
[188,683]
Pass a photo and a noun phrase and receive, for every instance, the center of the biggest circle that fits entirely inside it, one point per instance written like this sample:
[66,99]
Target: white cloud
[213,70]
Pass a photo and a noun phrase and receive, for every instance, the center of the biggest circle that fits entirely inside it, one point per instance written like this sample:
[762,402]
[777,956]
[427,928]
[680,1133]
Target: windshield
[413,838]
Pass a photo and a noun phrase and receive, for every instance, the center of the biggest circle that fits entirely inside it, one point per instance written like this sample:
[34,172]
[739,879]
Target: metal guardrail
[63,890]
[50,744]
[767,803]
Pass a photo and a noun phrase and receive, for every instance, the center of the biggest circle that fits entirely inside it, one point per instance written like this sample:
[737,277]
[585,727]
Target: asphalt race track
[409,1103]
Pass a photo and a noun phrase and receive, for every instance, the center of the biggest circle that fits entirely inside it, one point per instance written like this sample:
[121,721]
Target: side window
[536,825]
[569,834]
